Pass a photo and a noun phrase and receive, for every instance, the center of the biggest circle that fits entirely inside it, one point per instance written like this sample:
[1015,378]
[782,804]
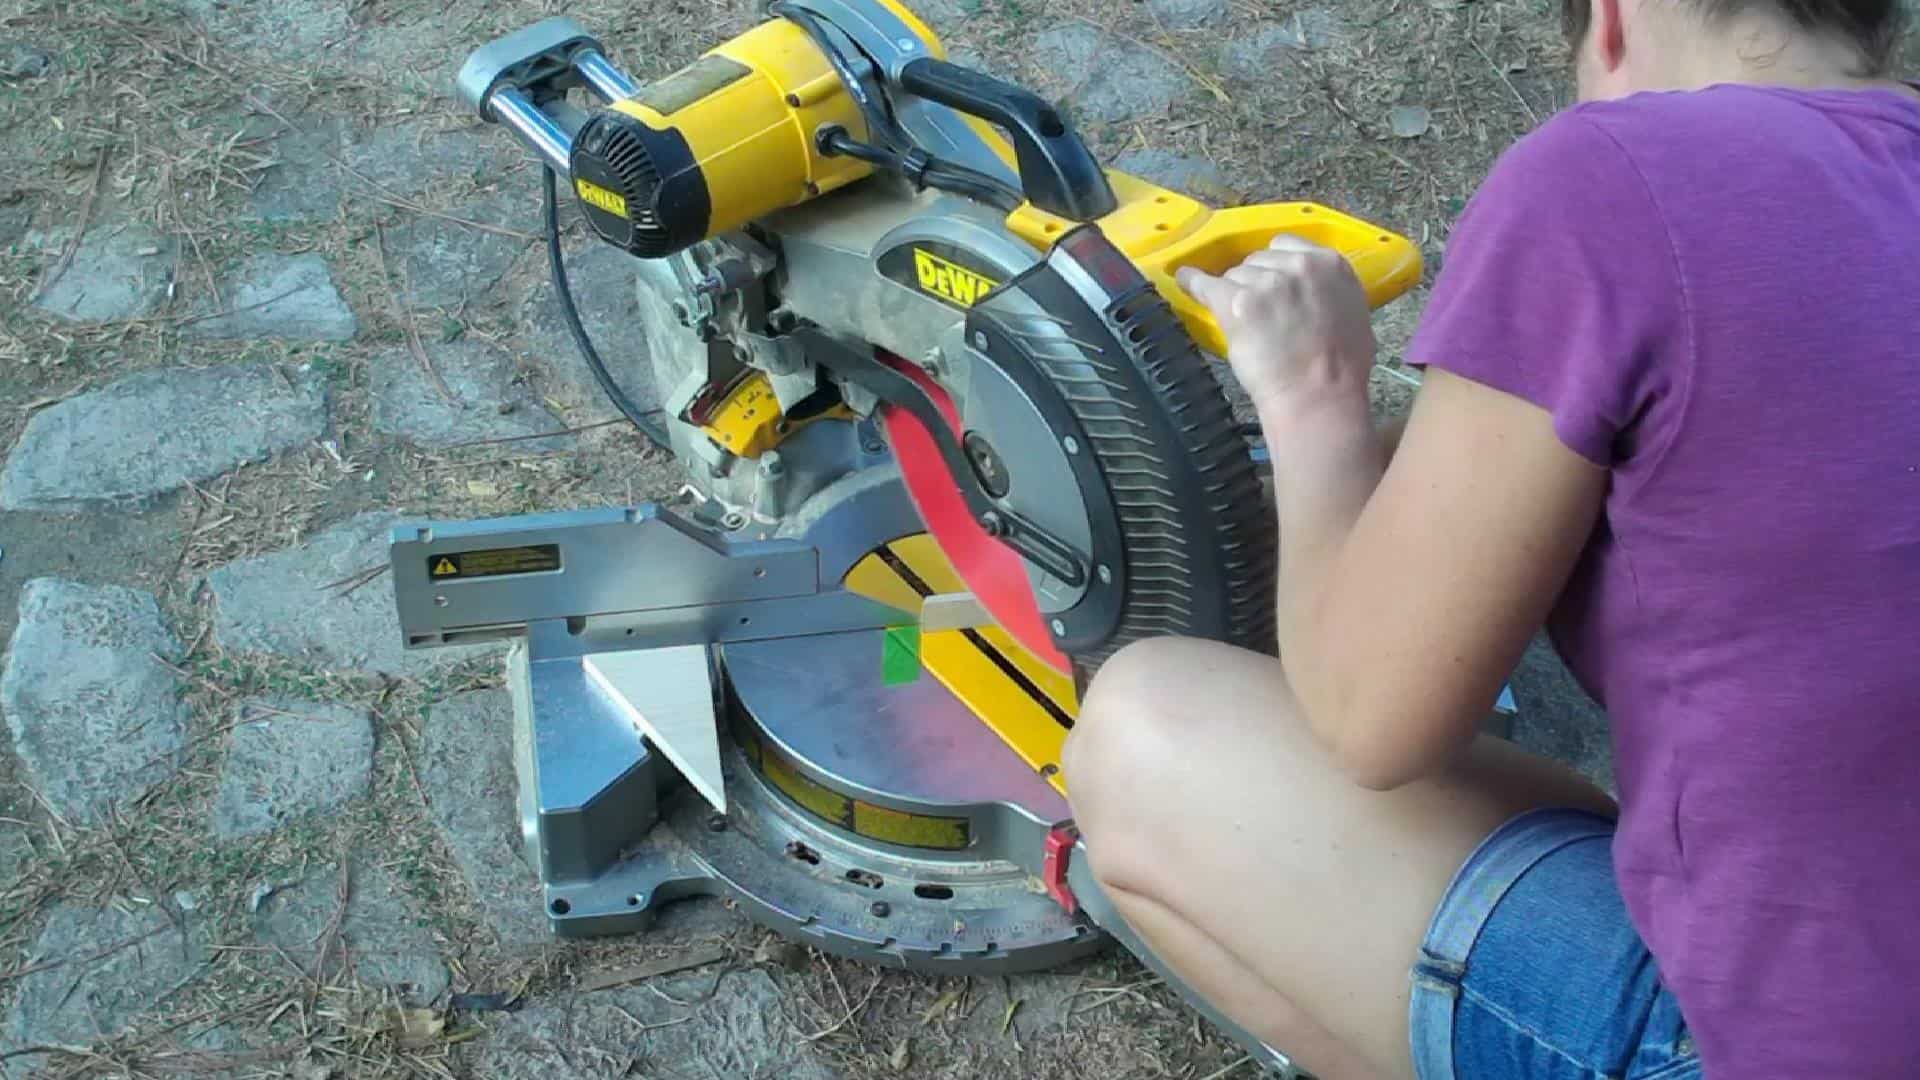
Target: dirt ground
[177,116]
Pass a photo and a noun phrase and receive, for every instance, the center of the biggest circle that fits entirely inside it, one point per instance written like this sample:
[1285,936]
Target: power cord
[643,419]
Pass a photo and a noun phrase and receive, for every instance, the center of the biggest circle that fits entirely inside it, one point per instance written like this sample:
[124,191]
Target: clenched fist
[1296,322]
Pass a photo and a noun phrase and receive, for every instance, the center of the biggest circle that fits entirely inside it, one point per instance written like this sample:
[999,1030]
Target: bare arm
[1407,590]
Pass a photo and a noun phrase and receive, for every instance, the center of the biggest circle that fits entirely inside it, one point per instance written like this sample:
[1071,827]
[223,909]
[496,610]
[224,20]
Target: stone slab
[111,966]
[1189,14]
[1193,176]
[119,271]
[282,297]
[737,1027]
[491,401]
[446,264]
[280,603]
[1274,46]
[152,432]
[304,184]
[1104,78]
[604,283]
[95,718]
[410,160]
[288,759]
[385,937]
[466,767]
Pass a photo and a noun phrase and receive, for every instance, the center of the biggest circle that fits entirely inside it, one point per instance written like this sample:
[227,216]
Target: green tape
[900,656]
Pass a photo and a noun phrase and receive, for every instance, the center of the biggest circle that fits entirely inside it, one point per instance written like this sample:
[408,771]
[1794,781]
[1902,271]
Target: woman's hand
[1296,322]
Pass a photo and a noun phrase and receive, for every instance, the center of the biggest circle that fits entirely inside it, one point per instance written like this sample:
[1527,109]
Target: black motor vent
[639,186]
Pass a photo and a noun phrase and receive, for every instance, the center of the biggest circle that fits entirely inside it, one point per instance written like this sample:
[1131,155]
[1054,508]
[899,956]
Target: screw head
[1071,444]
[881,909]
[993,523]
[1105,574]
[987,466]
[1059,628]
[717,823]
[980,339]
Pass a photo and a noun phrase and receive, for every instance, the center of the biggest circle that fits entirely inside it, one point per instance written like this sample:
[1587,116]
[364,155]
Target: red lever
[1053,870]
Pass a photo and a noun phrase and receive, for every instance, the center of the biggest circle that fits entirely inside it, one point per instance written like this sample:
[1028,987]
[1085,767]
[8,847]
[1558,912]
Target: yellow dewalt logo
[595,195]
[950,280]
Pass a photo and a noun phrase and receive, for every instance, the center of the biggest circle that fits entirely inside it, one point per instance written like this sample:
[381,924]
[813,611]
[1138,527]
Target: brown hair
[1873,26]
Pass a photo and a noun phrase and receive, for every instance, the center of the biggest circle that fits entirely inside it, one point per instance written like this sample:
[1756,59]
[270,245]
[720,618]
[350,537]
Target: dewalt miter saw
[950,440]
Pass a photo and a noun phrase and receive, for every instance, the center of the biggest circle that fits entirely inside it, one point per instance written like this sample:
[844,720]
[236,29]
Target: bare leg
[1290,897]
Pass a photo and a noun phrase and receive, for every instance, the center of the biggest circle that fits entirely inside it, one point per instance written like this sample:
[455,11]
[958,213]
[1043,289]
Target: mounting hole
[759,571]
[946,947]
[866,878]
[1162,227]
[1306,209]
[805,854]
[636,900]
[1050,124]
[576,625]
[933,892]
[1049,770]
[745,620]
[1162,199]
[1386,239]
[560,906]
[629,631]
[1053,226]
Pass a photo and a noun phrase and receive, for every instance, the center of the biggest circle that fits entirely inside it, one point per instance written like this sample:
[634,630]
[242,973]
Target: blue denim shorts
[1531,968]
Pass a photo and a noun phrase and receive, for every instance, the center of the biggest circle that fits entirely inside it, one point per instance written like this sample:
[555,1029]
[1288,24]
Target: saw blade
[996,576]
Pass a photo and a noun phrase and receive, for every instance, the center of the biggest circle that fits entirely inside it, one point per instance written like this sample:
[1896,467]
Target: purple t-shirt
[1716,295]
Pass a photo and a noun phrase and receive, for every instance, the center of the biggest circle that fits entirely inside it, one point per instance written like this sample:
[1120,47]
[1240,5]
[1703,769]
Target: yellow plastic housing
[753,136]
[1163,230]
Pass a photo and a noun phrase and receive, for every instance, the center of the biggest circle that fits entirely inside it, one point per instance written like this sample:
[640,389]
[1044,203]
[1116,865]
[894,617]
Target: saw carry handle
[1058,173]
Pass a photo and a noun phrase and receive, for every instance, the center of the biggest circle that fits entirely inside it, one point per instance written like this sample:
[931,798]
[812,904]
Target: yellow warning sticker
[948,279]
[862,818]
[494,562]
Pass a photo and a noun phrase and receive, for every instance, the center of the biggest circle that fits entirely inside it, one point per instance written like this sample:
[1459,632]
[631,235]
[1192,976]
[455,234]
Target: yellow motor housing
[725,140]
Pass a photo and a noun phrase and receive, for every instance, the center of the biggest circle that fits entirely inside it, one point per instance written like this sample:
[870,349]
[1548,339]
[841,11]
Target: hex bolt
[993,523]
[881,909]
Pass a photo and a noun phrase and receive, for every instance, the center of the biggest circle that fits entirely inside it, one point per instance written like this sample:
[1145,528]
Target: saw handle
[1058,173]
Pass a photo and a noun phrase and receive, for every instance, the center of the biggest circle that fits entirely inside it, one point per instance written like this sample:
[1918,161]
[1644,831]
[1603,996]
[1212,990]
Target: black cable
[655,433]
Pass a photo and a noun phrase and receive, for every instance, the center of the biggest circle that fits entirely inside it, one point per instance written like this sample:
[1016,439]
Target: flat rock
[109,968]
[304,184]
[385,939]
[737,1028]
[445,263]
[95,718]
[604,283]
[1273,47]
[1188,14]
[290,758]
[1106,78]
[1558,719]
[412,159]
[467,768]
[120,271]
[490,400]
[281,603]
[286,297]
[1193,176]
[149,433]
[20,60]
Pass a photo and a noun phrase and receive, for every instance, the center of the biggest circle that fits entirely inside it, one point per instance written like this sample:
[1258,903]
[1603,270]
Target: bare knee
[1121,759]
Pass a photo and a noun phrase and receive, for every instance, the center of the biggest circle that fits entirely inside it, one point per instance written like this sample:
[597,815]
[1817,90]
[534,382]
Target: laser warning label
[493,562]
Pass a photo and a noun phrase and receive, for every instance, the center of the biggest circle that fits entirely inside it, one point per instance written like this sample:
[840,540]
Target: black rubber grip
[1058,173]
